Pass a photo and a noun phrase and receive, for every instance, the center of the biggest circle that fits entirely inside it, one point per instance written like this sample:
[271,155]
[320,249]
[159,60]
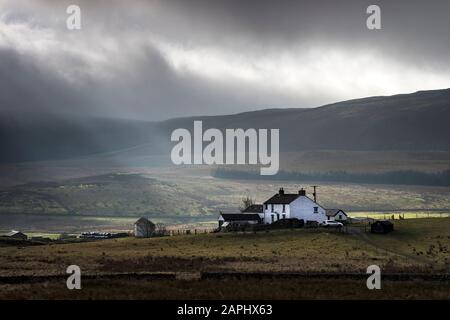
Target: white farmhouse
[292,205]
[284,206]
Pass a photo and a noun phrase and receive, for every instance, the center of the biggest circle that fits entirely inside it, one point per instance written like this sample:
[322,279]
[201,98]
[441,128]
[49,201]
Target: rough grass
[265,289]
[416,246]
[283,250]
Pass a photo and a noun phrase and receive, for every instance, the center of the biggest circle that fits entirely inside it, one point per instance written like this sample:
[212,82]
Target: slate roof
[144,220]
[333,212]
[13,233]
[240,217]
[282,198]
[258,208]
[17,235]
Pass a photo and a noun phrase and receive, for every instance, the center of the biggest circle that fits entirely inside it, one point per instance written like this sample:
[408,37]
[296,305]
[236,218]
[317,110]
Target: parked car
[331,224]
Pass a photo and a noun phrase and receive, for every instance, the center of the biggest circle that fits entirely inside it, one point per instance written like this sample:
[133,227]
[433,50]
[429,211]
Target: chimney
[302,192]
[281,191]
[315,193]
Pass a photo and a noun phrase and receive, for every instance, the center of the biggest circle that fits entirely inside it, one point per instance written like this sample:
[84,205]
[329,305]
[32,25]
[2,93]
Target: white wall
[336,218]
[277,209]
[303,208]
[300,208]
[143,230]
[344,217]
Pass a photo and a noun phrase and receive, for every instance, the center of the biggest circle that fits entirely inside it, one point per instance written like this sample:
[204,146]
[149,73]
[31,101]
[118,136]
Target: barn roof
[14,232]
[333,212]
[143,220]
[258,208]
[240,217]
[282,198]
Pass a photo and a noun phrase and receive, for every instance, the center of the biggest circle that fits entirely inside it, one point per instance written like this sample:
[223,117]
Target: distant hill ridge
[416,121]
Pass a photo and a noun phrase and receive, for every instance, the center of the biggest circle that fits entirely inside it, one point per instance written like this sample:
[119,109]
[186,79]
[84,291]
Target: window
[272,207]
[316,209]
[273,218]
[340,217]
[266,205]
[284,208]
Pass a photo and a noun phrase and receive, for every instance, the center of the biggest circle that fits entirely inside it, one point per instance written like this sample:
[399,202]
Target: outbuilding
[17,235]
[336,214]
[382,226]
[238,218]
[143,228]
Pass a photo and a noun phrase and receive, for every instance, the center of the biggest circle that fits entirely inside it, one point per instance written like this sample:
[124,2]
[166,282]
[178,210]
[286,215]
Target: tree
[160,229]
[247,201]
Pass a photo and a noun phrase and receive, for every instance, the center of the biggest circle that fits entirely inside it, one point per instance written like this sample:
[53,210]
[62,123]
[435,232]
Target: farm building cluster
[282,206]
[281,210]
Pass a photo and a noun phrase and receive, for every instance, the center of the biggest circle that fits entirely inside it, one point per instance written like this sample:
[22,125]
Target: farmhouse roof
[144,221]
[240,217]
[333,212]
[258,208]
[282,198]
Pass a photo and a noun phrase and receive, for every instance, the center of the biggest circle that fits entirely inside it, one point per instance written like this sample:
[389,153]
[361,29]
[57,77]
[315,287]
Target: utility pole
[315,193]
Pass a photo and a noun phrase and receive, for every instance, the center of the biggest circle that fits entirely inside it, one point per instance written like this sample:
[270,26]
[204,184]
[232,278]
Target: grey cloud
[153,90]
[144,84]
[28,86]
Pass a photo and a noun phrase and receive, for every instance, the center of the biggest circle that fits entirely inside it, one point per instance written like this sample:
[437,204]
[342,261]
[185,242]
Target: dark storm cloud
[413,30]
[27,86]
[152,90]
[159,59]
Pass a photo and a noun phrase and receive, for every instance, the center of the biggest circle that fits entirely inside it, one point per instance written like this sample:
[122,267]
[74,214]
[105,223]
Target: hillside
[43,136]
[416,121]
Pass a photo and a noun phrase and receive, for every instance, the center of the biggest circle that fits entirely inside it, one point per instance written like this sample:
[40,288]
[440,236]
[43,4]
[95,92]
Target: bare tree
[160,229]
[247,201]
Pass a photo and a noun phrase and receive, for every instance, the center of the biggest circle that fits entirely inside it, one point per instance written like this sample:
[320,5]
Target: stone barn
[143,228]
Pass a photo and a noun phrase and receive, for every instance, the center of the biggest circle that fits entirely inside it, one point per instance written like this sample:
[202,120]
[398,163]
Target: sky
[158,59]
